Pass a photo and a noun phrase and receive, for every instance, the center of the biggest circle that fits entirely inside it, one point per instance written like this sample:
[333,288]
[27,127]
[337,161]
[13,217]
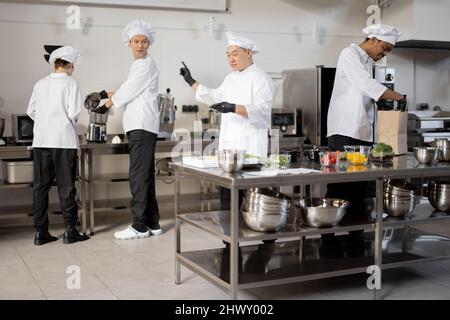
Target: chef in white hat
[54,106]
[244,98]
[138,97]
[351,111]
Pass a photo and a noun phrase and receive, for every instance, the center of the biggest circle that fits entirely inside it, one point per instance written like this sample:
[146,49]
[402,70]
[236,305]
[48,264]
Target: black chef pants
[144,206]
[354,192]
[48,164]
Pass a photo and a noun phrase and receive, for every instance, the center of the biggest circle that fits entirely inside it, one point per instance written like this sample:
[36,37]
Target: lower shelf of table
[285,262]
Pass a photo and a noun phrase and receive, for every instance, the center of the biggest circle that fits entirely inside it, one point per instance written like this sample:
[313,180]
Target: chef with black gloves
[54,106]
[351,114]
[138,97]
[245,100]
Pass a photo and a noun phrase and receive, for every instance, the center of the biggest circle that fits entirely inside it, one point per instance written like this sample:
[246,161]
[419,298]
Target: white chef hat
[138,27]
[383,32]
[235,40]
[66,53]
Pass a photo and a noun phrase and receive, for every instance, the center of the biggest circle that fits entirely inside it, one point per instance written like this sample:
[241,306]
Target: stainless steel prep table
[205,262]
[88,150]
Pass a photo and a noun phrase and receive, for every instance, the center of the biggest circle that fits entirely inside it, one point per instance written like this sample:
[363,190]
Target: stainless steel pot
[321,212]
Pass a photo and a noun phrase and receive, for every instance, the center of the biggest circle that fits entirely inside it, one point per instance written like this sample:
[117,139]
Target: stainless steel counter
[232,229]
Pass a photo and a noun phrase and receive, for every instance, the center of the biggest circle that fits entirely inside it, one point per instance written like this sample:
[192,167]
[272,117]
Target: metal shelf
[286,262]
[218,224]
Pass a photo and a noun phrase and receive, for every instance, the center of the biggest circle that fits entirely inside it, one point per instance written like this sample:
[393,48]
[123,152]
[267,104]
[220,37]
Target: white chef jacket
[54,106]
[254,89]
[351,112]
[138,96]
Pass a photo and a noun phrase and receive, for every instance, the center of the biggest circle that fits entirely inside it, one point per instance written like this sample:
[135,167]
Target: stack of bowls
[265,210]
[443,146]
[439,195]
[399,198]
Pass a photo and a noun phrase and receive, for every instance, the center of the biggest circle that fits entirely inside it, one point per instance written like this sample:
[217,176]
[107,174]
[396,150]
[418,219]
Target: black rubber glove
[186,73]
[103,94]
[92,100]
[401,104]
[224,107]
[103,109]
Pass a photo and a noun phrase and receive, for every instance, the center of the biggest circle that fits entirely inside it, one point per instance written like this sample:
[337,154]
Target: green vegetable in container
[381,149]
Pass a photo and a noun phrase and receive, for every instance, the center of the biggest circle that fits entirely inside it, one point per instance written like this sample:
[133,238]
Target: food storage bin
[19,171]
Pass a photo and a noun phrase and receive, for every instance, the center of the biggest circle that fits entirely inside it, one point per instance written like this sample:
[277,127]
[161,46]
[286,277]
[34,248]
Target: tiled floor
[144,269]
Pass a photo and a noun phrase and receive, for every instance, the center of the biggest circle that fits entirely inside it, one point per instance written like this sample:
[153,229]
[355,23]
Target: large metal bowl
[321,212]
[231,160]
[259,221]
[399,187]
[426,155]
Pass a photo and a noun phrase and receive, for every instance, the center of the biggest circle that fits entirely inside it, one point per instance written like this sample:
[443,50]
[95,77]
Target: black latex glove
[186,73]
[103,94]
[224,107]
[401,104]
[103,109]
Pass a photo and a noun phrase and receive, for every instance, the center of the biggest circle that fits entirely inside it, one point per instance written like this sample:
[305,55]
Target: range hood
[424,24]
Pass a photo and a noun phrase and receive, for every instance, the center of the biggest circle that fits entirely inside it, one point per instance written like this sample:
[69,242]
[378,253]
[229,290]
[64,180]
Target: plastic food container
[357,155]
[328,159]
[19,171]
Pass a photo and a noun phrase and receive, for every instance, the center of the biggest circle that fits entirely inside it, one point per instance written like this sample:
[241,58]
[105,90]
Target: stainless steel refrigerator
[309,91]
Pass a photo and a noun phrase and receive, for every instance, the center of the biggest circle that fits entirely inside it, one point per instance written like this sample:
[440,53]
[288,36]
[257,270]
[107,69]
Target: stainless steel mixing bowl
[265,209]
[231,160]
[399,207]
[439,195]
[426,155]
[321,212]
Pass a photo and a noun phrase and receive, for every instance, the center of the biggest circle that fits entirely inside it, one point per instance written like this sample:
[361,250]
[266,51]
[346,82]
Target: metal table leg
[379,232]
[234,245]
[91,191]
[177,228]
[83,191]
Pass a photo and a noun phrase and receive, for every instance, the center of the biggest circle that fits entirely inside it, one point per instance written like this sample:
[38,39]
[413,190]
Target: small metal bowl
[231,160]
[321,212]
[426,155]
[399,207]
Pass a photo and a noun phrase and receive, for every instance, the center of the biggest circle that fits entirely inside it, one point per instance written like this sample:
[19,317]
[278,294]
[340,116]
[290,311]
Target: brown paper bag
[392,129]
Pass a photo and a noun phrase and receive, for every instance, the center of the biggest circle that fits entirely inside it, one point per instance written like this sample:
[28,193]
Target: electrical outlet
[189,108]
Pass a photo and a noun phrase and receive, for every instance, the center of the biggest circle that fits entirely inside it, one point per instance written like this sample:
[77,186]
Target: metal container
[397,206]
[439,195]
[321,212]
[265,210]
[399,187]
[231,160]
[19,171]
[259,221]
[95,117]
[443,146]
[426,155]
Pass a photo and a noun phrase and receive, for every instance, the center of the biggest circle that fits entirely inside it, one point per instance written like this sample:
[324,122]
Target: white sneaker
[131,233]
[154,232]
